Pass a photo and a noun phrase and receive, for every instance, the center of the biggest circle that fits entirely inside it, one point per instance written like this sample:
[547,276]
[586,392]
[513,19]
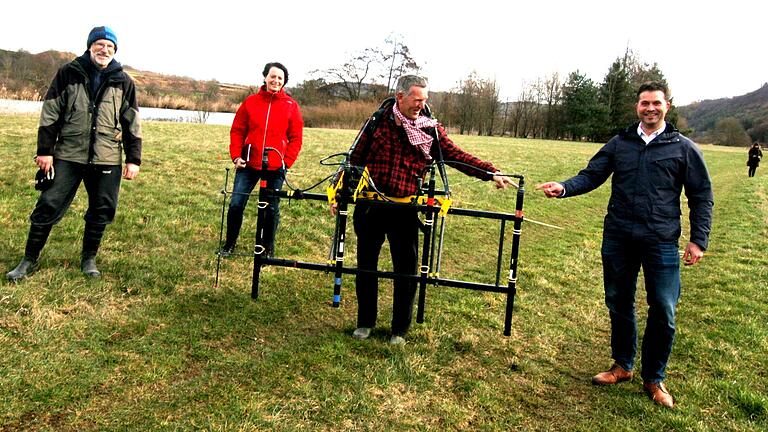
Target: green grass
[154,345]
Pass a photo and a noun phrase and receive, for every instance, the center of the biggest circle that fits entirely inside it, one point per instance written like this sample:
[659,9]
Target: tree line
[550,107]
[573,107]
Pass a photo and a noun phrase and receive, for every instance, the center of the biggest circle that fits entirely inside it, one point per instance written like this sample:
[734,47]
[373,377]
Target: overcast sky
[706,50]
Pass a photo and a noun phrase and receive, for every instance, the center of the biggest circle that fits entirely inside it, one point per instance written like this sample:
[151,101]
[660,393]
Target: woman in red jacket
[265,140]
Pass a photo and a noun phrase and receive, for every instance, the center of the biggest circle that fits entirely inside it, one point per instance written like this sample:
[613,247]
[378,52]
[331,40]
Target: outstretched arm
[502,181]
[551,189]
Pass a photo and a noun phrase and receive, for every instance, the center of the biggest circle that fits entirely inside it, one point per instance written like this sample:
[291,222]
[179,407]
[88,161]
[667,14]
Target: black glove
[44,180]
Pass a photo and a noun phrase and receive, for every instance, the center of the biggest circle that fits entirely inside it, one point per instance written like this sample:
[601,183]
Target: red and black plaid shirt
[395,165]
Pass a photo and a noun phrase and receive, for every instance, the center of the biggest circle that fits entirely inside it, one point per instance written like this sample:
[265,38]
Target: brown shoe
[658,393]
[614,375]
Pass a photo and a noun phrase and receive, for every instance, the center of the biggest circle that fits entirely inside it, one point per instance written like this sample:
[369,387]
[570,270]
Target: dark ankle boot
[228,249]
[234,223]
[25,268]
[36,239]
[91,241]
[88,267]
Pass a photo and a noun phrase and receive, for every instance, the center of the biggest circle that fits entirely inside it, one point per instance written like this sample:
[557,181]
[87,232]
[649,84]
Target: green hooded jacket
[81,127]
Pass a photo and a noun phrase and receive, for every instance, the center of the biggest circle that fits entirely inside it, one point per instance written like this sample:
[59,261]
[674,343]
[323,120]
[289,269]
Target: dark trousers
[102,183]
[752,169]
[401,227]
[245,181]
[622,260]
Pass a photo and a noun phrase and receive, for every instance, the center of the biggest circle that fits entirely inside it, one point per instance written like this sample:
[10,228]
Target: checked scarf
[416,136]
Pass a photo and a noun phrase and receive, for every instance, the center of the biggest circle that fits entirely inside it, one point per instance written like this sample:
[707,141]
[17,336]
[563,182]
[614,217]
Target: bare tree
[488,106]
[351,76]
[553,93]
[528,109]
[398,57]
[370,73]
[515,118]
[467,106]
[206,101]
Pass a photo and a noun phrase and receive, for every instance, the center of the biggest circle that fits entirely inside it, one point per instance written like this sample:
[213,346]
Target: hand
[239,163]
[130,171]
[334,209]
[692,254]
[551,189]
[502,181]
[45,163]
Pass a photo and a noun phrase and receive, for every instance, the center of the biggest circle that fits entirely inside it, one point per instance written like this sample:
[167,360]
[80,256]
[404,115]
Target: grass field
[154,345]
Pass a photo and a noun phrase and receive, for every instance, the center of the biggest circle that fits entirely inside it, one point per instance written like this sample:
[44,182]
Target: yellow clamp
[334,188]
[362,184]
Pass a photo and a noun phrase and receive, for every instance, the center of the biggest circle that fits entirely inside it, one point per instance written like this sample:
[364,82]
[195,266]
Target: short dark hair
[278,65]
[654,86]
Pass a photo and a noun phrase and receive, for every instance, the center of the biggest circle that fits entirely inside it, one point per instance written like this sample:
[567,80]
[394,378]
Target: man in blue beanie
[89,118]
[101,32]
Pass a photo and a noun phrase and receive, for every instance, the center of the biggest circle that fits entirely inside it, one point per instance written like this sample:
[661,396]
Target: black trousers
[401,227]
[102,183]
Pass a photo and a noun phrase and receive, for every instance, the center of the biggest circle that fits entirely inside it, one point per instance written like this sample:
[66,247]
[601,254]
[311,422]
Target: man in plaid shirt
[397,154]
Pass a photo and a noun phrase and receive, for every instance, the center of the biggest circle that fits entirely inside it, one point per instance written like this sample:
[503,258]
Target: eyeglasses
[109,46]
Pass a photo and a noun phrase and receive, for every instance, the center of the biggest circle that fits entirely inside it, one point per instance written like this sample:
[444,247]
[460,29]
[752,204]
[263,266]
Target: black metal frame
[431,248]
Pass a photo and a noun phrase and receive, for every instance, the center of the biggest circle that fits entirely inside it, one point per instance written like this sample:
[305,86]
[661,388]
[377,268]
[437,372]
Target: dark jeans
[622,259]
[245,181]
[102,183]
[752,170]
[401,227]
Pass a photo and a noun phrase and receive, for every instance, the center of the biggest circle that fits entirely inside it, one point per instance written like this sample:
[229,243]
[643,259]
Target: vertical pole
[341,234]
[516,232]
[429,221]
[259,247]
[221,227]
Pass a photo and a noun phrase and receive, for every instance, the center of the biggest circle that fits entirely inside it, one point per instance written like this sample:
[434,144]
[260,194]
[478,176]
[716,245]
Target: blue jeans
[245,181]
[622,259]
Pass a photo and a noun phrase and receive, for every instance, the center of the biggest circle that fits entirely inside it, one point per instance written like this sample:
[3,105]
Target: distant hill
[750,109]
[27,76]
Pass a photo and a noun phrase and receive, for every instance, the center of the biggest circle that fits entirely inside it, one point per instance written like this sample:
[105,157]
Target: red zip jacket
[271,119]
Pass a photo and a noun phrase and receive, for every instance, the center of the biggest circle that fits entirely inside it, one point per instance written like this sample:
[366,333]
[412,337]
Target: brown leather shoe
[614,375]
[658,393]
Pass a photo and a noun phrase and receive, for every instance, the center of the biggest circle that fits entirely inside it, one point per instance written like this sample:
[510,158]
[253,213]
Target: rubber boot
[36,239]
[234,223]
[91,241]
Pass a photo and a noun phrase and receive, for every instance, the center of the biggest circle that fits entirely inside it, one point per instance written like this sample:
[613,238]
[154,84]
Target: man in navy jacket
[651,163]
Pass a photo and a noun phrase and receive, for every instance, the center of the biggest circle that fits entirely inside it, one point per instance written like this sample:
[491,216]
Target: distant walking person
[651,163]
[753,161]
[89,117]
[264,141]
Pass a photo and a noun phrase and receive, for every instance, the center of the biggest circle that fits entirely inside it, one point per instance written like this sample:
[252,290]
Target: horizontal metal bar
[452,210]
[477,286]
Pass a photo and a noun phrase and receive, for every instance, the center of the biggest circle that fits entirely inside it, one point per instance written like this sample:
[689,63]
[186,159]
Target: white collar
[649,137]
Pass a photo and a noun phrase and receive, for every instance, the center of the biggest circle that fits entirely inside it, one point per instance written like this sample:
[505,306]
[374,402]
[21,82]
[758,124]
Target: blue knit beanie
[102,32]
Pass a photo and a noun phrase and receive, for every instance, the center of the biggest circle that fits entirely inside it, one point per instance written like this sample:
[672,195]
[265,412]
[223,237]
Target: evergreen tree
[581,108]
